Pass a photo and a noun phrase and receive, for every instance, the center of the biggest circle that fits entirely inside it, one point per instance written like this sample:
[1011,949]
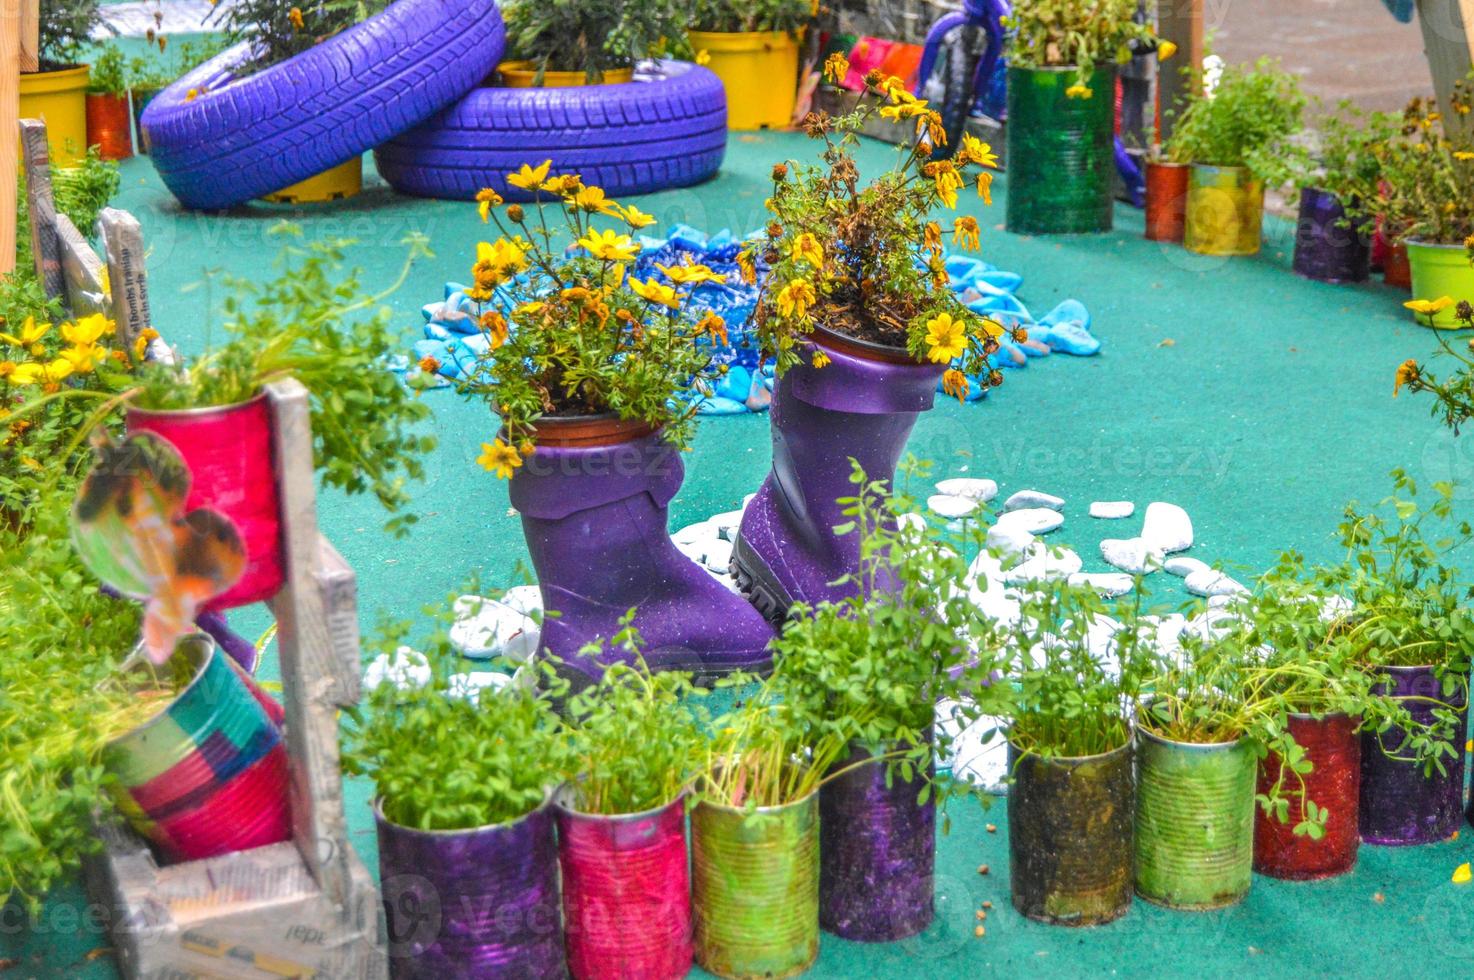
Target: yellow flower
[713,326]
[904,109]
[682,274]
[506,258]
[191,95]
[140,343]
[976,151]
[836,67]
[1462,874]
[38,372]
[609,245]
[1463,155]
[7,368]
[84,357]
[530,178]
[994,329]
[955,383]
[429,365]
[1407,373]
[1429,306]
[656,292]
[1078,91]
[532,308]
[563,184]
[499,458]
[703,57]
[88,330]
[985,187]
[820,359]
[746,265]
[637,218]
[592,200]
[486,199]
[806,248]
[495,327]
[965,232]
[796,298]
[30,336]
[946,338]
[1165,50]
[947,181]
[295,16]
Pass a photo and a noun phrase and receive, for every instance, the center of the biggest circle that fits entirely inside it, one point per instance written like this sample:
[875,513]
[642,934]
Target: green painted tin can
[1061,163]
[755,888]
[1225,210]
[1194,822]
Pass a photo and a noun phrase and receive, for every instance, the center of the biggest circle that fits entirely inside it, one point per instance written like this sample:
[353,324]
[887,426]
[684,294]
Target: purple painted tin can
[1329,247]
[1399,804]
[473,903]
[877,849]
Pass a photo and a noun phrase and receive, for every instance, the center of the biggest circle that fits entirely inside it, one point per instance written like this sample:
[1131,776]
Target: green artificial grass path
[1260,402]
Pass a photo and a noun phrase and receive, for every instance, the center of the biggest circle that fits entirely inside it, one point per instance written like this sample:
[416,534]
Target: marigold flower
[946,338]
[656,292]
[806,248]
[499,458]
[486,199]
[429,365]
[955,383]
[295,16]
[592,200]
[965,232]
[796,298]
[610,245]
[1407,373]
[836,67]
[530,178]
[637,218]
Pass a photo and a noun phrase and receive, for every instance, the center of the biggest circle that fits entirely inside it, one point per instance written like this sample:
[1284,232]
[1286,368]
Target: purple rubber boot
[861,406]
[596,525]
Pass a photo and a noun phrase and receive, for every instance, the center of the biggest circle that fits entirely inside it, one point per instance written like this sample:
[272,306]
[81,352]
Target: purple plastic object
[1399,804]
[240,649]
[858,407]
[877,850]
[1327,247]
[987,14]
[595,520]
[473,903]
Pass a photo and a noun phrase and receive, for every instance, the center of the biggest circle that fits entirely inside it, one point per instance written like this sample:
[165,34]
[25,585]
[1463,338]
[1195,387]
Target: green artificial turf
[1260,402]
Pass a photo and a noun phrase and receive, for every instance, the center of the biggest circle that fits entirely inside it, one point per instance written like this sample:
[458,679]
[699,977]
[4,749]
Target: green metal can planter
[1061,163]
[1225,209]
[1070,823]
[1438,271]
[755,888]
[1194,821]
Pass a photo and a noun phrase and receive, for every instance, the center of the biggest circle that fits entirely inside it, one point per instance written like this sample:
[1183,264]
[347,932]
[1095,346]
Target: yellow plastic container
[1225,208]
[520,74]
[1441,270]
[59,99]
[760,72]
[343,181]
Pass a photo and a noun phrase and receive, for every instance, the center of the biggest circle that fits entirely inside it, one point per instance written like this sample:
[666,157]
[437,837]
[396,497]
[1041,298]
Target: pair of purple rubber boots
[595,518]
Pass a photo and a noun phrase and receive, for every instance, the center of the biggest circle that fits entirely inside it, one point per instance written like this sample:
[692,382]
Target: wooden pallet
[307,907]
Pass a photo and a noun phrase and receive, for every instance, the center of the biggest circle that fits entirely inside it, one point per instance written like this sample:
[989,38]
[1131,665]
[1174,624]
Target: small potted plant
[1236,137]
[468,853]
[565,43]
[638,740]
[1071,802]
[1332,238]
[1428,180]
[856,316]
[1061,97]
[593,374]
[57,92]
[753,48]
[108,121]
[1166,193]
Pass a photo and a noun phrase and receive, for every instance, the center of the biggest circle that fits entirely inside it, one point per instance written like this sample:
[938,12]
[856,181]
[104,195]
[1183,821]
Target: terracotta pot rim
[562,797]
[1190,746]
[1167,164]
[378,805]
[869,350]
[174,413]
[208,652]
[600,429]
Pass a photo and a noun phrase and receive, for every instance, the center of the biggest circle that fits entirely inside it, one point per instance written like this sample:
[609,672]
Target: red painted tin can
[1334,784]
[232,463]
[1166,200]
[109,125]
[626,892]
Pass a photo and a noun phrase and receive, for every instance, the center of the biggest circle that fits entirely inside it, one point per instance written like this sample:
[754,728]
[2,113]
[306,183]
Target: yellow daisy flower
[530,178]
[29,337]
[486,199]
[637,218]
[610,245]
[592,200]
[955,383]
[656,292]
[1429,306]
[796,298]
[683,274]
[1078,91]
[499,458]
[965,232]
[946,338]
[806,248]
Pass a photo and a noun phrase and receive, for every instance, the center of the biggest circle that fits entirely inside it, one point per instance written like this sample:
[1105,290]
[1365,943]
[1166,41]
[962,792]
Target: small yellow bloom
[1462,874]
[947,181]
[7,368]
[83,357]
[713,326]
[506,258]
[985,187]
[495,327]
[1078,91]
[532,308]
[946,338]
[656,292]
[563,185]
[796,298]
[806,248]
[904,109]
[429,365]
[486,199]
[965,232]
[191,95]
[530,178]
[29,337]
[499,458]
[295,16]
[592,200]
[1429,306]
[1463,155]
[836,67]
[88,330]
[955,383]
[993,328]
[974,150]
[1165,50]
[820,359]
[39,372]
[692,273]
[703,57]
[747,266]
[610,245]
[1407,373]
[637,218]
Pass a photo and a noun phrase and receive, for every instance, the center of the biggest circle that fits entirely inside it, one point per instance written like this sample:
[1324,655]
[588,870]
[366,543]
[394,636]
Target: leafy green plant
[279,32]
[155,70]
[591,36]
[1246,121]
[742,16]
[65,30]
[441,759]
[1347,160]
[80,192]
[322,328]
[109,71]
[1427,169]
[1075,34]
[1453,394]
[637,737]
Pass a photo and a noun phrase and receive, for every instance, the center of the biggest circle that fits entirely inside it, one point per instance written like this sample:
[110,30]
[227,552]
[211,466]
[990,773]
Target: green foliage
[80,192]
[1428,170]
[157,69]
[1247,121]
[1453,394]
[317,325]
[741,16]
[66,26]
[1072,33]
[280,31]
[637,737]
[1348,157]
[108,72]
[442,760]
[591,36]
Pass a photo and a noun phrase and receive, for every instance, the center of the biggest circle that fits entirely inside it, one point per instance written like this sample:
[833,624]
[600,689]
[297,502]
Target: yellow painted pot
[520,74]
[342,181]
[1441,270]
[59,99]
[1225,208]
[760,72]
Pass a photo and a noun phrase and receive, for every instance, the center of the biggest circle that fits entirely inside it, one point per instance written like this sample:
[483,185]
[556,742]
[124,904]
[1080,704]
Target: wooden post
[1181,22]
[30,34]
[10,60]
[41,206]
[127,280]
[1448,43]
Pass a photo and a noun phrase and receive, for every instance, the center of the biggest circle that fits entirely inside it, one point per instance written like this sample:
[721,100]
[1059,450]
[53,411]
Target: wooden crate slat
[41,207]
[84,276]
[127,279]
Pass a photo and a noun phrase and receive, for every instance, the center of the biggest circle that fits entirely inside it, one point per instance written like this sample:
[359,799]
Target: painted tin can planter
[1225,208]
[1333,747]
[1194,822]
[755,888]
[1396,271]
[1166,200]
[877,852]
[109,125]
[1061,162]
[1070,828]
[208,774]
[1399,804]
[473,903]
[232,462]
[1440,270]
[626,892]
[1328,246]
[760,72]
[59,99]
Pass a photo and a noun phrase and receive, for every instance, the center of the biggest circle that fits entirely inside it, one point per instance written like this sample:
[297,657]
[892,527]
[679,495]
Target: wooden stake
[41,207]
[1448,41]
[1181,22]
[30,34]
[127,280]
[10,23]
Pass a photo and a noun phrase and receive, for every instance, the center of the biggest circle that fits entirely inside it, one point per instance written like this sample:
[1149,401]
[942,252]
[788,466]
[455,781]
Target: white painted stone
[1212,582]
[979,751]
[1182,566]
[471,686]
[1007,539]
[912,522]
[1043,562]
[960,486]
[485,627]
[1130,555]
[1167,527]
[406,669]
[1035,520]
[985,567]
[951,507]
[719,556]
[1112,509]
[747,500]
[1024,499]
[526,599]
[696,550]
[726,524]
[692,533]
[1108,584]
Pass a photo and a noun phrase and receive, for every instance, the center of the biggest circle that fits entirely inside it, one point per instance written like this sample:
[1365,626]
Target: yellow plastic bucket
[760,72]
[1441,270]
[1225,208]
[520,74]
[59,99]
[343,181]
